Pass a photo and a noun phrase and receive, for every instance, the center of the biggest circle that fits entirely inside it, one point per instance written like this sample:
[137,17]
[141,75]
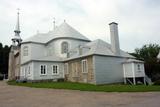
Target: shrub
[157,82]
[60,80]
[1,77]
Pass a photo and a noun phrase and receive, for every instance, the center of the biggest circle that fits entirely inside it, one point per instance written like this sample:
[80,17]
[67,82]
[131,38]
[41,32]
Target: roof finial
[54,23]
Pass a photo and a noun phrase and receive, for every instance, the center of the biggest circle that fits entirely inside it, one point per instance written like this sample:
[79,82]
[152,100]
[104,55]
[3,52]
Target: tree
[4,55]
[148,53]
[1,46]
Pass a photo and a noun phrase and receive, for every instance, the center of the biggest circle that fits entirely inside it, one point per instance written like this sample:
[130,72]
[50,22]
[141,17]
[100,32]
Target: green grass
[89,87]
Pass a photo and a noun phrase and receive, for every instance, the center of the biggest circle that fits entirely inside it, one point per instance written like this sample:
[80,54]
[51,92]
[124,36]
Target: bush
[157,82]
[60,80]
[1,77]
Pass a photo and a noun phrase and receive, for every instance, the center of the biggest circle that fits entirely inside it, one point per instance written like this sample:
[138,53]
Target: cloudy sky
[139,20]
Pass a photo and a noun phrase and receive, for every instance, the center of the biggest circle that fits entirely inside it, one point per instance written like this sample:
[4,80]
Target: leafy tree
[148,53]
[1,46]
[4,55]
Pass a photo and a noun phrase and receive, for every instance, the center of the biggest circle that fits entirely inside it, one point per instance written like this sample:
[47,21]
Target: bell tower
[14,54]
[16,40]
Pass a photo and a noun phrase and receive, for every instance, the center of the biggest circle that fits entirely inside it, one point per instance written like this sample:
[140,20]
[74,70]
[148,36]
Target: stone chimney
[114,38]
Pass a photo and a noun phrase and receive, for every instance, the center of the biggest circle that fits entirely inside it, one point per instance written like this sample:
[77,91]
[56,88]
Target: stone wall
[75,73]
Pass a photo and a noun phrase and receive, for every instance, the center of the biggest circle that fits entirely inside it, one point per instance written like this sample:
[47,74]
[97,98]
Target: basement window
[84,66]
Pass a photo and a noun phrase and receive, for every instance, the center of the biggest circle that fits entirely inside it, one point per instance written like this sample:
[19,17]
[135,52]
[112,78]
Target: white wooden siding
[108,69]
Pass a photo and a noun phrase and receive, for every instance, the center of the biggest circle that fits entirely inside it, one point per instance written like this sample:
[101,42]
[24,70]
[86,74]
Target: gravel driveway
[16,96]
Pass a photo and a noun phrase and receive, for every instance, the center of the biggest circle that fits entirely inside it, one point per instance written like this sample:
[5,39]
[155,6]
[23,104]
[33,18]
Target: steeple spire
[54,23]
[17,31]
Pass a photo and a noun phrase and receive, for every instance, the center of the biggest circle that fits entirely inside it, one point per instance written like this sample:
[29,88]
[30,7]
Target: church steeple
[54,23]
[17,39]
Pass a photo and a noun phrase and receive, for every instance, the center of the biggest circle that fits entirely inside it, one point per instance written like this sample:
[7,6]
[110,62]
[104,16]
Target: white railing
[148,80]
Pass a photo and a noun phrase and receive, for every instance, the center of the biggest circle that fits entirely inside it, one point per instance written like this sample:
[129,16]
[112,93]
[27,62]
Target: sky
[138,20]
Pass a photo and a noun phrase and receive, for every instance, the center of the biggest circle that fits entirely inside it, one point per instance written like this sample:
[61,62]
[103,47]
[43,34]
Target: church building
[64,53]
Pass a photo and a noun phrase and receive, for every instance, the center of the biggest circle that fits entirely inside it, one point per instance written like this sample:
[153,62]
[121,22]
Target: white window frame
[139,67]
[25,71]
[57,69]
[66,70]
[85,60]
[74,69]
[64,47]
[45,69]
[29,70]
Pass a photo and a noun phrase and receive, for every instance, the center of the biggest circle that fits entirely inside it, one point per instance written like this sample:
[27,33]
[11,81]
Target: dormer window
[64,47]
[25,51]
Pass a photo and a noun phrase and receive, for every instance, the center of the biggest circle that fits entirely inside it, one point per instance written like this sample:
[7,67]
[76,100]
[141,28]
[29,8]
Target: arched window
[64,47]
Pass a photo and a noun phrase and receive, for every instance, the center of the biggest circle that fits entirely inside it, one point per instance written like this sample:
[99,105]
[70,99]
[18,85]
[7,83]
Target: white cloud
[138,20]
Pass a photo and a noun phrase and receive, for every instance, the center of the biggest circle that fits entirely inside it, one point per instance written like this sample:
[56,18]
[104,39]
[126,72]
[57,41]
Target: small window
[25,51]
[84,66]
[55,70]
[138,67]
[29,72]
[64,47]
[43,69]
[25,71]
[66,68]
[74,69]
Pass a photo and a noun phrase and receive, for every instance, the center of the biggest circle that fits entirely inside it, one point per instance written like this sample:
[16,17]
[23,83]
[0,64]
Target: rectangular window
[43,69]
[74,69]
[66,68]
[29,72]
[84,66]
[55,70]
[139,67]
[25,51]
[25,71]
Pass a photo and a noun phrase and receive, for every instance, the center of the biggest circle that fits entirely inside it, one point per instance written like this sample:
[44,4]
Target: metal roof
[97,47]
[62,31]
[133,60]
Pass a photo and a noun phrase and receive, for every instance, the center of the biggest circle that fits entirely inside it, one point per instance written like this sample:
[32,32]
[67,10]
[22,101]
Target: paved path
[16,96]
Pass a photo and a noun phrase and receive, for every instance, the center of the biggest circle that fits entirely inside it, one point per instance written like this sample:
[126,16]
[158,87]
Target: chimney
[114,38]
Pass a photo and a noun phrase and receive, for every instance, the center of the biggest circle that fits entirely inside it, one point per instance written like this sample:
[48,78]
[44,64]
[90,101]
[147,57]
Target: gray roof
[49,58]
[133,60]
[98,47]
[62,31]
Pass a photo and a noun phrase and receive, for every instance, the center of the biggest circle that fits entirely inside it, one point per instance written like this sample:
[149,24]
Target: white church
[64,53]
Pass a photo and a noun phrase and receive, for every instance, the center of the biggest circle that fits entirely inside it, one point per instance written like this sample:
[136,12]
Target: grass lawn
[90,87]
